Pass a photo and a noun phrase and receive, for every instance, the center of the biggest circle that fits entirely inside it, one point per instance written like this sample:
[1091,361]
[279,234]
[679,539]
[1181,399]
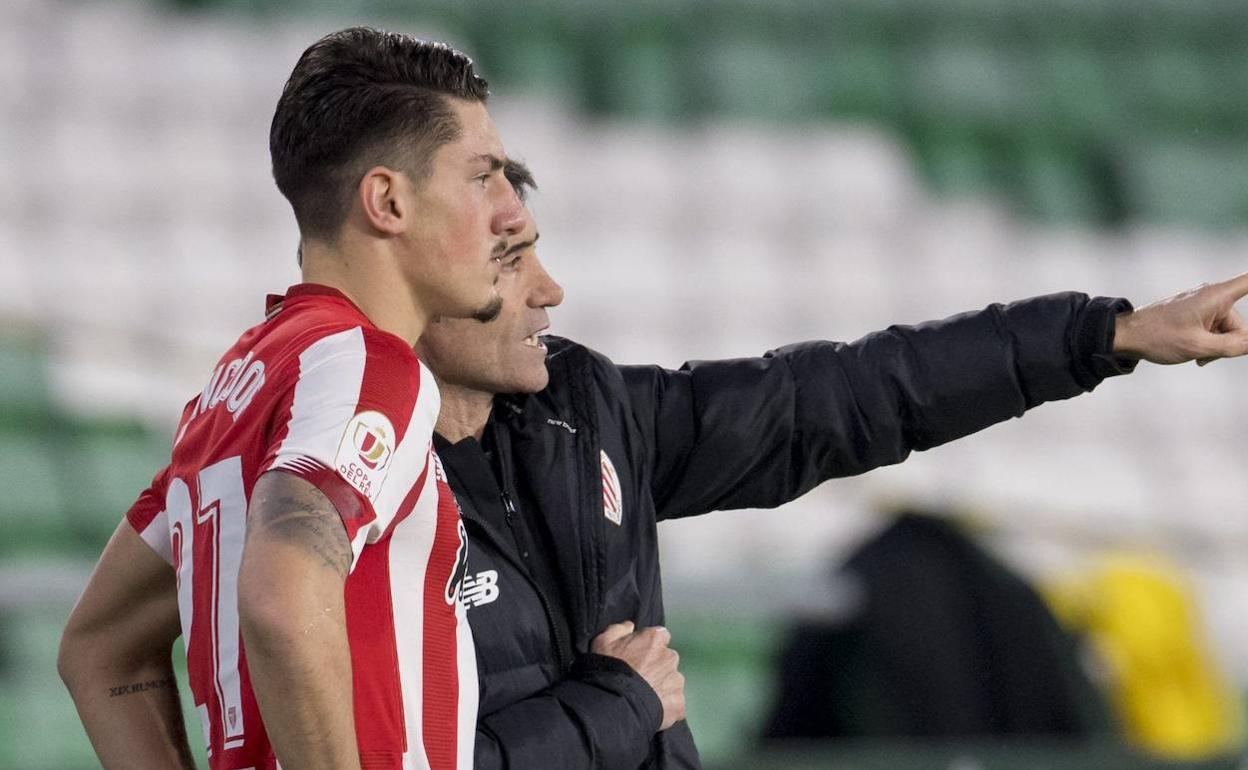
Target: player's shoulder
[323,337]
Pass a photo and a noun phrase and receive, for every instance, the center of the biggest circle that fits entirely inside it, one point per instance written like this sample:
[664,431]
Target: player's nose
[509,218]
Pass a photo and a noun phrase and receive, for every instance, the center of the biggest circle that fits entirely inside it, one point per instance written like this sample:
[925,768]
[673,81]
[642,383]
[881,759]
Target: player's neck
[464,412]
[368,280]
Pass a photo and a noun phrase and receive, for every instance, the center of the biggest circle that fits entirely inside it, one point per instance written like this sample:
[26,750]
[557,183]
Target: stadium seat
[745,77]
[732,676]
[1203,182]
[1076,88]
[1171,86]
[860,79]
[36,714]
[965,79]
[1055,185]
[24,400]
[33,468]
[644,79]
[113,464]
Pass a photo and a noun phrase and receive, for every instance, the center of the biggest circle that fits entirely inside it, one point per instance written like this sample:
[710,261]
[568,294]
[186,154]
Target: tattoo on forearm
[306,518]
[138,687]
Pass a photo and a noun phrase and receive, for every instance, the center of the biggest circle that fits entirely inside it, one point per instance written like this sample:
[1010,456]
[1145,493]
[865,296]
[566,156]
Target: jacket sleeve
[758,432]
[602,715]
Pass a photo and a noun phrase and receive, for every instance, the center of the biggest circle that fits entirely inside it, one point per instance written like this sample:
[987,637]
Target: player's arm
[116,658]
[293,618]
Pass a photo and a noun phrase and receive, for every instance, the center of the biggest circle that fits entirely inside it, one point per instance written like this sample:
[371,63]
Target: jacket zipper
[509,511]
[509,508]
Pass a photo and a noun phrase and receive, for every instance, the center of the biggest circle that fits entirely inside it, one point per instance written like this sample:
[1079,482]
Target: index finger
[1237,286]
[616,631]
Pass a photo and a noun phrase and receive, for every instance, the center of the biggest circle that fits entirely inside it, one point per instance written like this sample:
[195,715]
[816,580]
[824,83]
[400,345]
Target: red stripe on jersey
[250,706]
[441,669]
[348,504]
[150,503]
[385,385]
[409,502]
[379,723]
[279,427]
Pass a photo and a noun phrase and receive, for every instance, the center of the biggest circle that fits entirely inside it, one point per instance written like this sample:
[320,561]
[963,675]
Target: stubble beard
[490,311]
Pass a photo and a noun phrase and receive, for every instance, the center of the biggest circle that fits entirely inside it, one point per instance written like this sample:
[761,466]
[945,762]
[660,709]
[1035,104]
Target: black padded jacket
[712,435]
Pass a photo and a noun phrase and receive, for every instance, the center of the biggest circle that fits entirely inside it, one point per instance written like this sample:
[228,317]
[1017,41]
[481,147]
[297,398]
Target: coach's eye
[483,179]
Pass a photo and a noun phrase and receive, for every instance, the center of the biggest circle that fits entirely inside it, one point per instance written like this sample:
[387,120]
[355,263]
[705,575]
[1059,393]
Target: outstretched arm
[293,617]
[1199,324]
[116,658]
[758,432]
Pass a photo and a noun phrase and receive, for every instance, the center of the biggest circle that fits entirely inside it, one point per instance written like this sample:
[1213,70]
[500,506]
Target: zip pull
[509,508]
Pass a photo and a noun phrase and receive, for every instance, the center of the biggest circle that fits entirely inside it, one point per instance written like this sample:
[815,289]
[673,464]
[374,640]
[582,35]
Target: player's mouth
[534,340]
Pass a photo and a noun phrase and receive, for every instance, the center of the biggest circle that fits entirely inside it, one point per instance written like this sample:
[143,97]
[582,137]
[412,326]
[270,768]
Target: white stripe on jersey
[468,692]
[230,529]
[181,529]
[412,542]
[410,549]
[319,409]
[156,535]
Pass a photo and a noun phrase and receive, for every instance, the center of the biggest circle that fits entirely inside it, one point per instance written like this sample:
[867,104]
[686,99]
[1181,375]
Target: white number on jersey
[218,512]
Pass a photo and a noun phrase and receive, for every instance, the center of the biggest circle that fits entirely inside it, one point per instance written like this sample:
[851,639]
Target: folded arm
[604,713]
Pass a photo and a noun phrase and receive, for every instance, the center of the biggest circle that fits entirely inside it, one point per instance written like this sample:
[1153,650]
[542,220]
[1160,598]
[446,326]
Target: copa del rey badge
[612,492]
[364,452]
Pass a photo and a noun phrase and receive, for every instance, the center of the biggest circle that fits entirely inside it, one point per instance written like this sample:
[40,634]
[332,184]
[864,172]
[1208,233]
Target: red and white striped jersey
[319,392]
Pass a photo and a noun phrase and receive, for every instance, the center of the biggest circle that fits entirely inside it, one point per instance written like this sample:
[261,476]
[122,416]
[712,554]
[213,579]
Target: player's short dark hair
[358,98]
[520,177]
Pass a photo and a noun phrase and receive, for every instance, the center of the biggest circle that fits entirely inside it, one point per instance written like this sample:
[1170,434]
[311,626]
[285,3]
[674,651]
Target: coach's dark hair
[520,178]
[358,98]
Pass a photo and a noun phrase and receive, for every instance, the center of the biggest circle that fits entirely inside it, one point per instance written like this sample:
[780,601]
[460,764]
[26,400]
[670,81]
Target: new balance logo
[481,588]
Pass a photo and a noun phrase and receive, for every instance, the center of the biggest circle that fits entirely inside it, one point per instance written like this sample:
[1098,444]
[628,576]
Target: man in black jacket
[563,463]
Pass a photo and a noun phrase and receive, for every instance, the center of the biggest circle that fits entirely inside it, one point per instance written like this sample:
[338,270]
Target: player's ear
[380,200]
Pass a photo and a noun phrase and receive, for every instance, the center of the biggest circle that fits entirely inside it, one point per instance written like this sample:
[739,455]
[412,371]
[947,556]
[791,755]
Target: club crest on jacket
[612,492]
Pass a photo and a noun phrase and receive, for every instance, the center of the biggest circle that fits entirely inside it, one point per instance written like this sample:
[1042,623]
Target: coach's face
[505,355]
[465,214]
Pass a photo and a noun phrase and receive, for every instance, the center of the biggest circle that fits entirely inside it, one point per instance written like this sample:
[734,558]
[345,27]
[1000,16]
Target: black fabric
[483,474]
[746,433]
[949,643]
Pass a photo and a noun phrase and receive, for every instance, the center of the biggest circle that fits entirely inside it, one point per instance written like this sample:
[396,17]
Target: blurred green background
[1090,123]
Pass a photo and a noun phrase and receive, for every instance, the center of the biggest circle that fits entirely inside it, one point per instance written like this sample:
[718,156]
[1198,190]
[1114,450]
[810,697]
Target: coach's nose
[546,291]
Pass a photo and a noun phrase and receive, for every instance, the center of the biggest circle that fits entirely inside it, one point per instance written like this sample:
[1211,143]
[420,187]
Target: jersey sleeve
[350,426]
[147,516]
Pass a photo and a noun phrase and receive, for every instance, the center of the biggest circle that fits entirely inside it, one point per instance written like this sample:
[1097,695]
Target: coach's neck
[464,411]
